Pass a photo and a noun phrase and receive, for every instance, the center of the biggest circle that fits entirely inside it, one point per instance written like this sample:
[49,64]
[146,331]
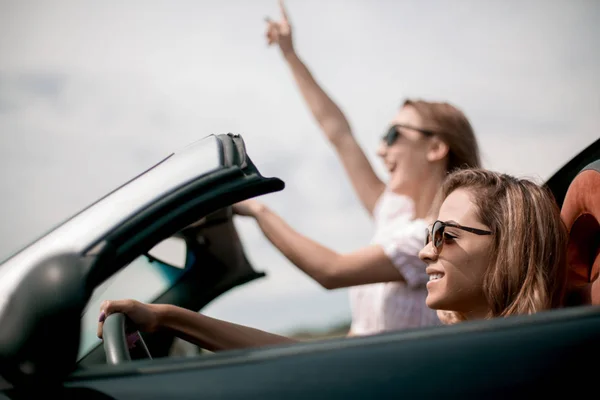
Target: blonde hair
[527,271]
[452,126]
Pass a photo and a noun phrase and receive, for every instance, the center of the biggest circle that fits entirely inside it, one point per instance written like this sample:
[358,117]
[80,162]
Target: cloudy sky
[92,93]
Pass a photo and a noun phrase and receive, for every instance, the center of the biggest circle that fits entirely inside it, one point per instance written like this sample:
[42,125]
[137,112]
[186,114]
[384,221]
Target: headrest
[581,214]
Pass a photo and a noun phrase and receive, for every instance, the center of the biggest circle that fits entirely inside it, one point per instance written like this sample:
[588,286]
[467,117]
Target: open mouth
[435,277]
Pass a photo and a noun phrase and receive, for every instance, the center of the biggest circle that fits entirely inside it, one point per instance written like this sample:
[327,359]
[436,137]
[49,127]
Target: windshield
[196,159]
[90,225]
[7,253]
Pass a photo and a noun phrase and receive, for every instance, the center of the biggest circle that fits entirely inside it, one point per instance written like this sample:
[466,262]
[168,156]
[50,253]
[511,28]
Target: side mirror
[40,324]
[171,251]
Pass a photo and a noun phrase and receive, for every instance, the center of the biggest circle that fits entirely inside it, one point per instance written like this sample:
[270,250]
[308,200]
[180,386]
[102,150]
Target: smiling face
[457,272]
[407,156]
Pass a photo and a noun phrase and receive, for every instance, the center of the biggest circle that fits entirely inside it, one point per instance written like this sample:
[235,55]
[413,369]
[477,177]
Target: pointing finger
[283,11]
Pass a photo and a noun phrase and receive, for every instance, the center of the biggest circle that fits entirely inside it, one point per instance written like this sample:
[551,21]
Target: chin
[436,303]
[430,302]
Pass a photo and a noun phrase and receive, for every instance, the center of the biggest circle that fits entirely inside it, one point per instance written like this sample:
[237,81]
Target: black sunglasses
[393,133]
[437,233]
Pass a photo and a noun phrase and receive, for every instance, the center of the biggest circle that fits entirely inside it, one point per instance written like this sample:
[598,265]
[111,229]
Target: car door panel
[516,356]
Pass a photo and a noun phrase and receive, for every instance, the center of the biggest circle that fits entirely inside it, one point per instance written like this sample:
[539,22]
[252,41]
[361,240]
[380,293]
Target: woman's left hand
[143,316]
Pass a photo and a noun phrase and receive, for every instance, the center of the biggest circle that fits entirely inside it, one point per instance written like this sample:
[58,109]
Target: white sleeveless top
[397,305]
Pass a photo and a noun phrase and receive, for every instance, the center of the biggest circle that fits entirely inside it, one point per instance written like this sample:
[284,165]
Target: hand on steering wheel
[117,342]
[118,325]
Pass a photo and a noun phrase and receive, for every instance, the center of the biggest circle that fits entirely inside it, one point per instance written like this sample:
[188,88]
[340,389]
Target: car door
[504,358]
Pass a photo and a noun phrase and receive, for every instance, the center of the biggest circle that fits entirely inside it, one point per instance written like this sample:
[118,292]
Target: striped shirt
[397,305]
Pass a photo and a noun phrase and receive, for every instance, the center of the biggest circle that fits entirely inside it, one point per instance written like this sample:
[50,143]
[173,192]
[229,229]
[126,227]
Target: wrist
[290,55]
[161,313]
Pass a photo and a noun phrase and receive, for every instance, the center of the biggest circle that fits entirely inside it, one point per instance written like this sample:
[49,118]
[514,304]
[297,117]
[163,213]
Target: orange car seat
[581,214]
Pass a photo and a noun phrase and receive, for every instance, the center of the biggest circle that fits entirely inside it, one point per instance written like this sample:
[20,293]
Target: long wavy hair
[527,272]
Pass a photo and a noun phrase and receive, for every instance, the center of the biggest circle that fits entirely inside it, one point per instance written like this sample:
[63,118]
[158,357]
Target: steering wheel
[115,340]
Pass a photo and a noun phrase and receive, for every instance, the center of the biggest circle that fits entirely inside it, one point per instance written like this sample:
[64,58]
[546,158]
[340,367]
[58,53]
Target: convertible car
[172,225]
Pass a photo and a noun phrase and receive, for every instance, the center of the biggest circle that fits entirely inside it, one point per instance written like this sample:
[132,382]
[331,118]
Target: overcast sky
[92,93]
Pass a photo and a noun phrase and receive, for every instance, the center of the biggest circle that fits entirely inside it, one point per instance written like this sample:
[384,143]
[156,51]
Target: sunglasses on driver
[436,233]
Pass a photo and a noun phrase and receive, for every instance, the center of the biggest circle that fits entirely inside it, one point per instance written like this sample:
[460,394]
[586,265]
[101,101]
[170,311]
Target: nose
[428,254]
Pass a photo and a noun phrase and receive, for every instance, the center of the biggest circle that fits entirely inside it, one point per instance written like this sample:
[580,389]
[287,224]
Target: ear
[437,150]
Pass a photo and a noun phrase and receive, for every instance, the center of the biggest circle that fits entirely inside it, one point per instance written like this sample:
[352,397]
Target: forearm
[213,334]
[326,112]
[334,124]
[312,258]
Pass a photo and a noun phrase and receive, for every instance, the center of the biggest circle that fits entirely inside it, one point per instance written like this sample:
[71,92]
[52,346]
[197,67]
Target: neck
[478,313]
[421,189]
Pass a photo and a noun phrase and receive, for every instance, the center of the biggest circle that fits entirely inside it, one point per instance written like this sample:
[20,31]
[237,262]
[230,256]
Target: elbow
[331,278]
[337,133]
[328,284]
[339,138]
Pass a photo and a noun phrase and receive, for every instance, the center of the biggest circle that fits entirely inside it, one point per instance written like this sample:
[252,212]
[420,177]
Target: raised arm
[330,269]
[328,115]
[209,333]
